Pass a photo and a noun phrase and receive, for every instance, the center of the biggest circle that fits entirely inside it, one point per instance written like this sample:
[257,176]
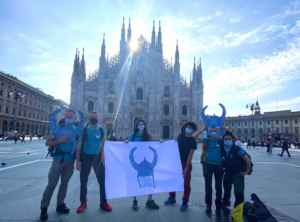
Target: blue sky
[249,50]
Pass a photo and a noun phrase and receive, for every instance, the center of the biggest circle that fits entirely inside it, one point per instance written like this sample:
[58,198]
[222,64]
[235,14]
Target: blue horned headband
[213,121]
[59,114]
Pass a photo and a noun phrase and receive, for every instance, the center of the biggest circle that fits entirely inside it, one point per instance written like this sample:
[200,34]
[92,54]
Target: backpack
[234,152]
[257,211]
[84,138]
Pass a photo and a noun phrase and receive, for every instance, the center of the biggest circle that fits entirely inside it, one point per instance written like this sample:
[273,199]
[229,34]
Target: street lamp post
[17,95]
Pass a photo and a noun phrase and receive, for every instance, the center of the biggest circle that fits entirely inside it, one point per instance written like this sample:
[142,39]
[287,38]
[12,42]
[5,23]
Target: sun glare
[134,46]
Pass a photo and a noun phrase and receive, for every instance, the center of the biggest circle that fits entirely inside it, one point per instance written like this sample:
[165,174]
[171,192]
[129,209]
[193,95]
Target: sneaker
[62,209]
[218,211]
[106,207]
[150,204]
[135,206]
[170,201]
[81,208]
[184,206]
[208,211]
[44,214]
[226,204]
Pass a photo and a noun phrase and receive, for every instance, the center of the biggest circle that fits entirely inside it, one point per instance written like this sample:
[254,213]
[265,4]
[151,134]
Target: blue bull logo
[145,169]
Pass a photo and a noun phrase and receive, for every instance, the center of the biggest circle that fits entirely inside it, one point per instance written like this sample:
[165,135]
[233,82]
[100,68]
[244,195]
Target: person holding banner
[141,134]
[187,145]
[90,154]
[62,146]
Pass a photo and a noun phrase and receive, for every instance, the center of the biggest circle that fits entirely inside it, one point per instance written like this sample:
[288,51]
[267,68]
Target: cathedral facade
[138,84]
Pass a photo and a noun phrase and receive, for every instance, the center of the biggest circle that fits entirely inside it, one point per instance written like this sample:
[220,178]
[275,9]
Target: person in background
[90,155]
[141,134]
[269,145]
[187,145]
[285,148]
[236,164]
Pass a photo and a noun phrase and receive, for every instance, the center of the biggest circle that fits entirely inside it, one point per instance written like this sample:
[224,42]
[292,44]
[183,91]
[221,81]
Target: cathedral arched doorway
[166,132]
[90,106]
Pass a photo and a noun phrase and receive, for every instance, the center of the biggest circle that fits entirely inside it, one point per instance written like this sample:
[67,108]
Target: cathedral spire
[103,47]
[129,31]
[75,61]
[194,69]
[83,70]
[159,39]
[197,74]
[102,60]
[153,36]
[123,31]
[177,63]
[123,45]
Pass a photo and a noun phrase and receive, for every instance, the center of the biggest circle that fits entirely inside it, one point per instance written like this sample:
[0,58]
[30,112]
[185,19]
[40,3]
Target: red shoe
[106,207]
[81,208]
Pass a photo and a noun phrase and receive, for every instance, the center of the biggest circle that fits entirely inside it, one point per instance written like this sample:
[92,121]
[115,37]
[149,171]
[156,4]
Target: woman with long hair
[141,134]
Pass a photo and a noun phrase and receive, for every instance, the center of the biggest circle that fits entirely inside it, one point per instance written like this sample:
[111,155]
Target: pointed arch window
[111,107]
[167,91]
[139,94]
[166,132]
[184,110]
[166,109]
[90,106]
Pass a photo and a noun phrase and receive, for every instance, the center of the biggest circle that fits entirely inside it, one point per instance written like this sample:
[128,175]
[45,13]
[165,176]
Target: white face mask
[238,143]
[68,121]
[141,127]
[188,130]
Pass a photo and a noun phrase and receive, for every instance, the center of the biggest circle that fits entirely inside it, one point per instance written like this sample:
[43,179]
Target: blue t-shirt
[93,140]
[213,151]
[136,138]
[66,151]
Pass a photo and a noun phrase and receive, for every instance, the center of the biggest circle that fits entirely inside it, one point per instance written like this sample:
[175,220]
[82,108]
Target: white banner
[139,168]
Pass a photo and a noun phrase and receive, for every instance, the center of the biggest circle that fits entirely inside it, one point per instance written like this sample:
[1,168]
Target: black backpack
[234,151]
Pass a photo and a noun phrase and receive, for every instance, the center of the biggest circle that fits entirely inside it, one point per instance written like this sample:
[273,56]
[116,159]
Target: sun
[133,45]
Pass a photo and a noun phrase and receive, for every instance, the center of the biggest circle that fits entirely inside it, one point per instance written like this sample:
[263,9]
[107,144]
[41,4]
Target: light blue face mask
[68,121]
[189,131]
[227,145]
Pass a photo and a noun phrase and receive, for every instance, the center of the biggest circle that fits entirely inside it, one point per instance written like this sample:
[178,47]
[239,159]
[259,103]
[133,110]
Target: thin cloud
[256,77]
[286,104]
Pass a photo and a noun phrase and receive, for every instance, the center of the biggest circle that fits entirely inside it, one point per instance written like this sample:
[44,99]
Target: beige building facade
[23,107]
[258,126]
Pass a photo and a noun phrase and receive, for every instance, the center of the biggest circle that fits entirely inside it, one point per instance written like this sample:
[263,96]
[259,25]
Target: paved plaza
[23,178]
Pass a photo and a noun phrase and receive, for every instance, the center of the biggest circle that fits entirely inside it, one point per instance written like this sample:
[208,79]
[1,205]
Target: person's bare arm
[102,148]
[198,131]
[248,164]
[78,149]
[188,161]
[190,157]
[202,157]
[78,153]
[102,151]
[53,142]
